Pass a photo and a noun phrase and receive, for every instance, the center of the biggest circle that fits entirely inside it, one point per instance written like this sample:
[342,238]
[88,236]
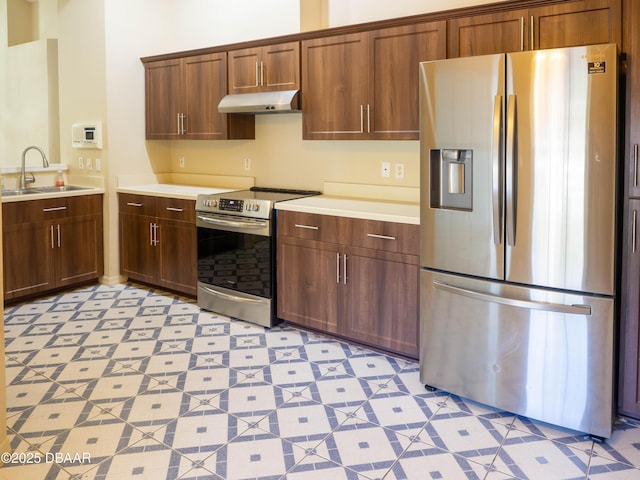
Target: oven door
[236,266]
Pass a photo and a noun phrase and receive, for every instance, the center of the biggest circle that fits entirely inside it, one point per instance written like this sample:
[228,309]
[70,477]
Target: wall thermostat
[86,135]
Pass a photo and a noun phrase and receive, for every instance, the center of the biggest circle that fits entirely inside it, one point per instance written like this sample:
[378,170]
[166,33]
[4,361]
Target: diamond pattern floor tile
[149,386]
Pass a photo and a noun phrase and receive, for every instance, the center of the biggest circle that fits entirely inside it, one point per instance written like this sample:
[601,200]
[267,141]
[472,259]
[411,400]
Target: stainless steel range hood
[285,101]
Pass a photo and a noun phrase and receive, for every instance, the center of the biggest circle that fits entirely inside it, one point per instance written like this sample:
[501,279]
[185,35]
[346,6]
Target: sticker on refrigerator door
[597,67]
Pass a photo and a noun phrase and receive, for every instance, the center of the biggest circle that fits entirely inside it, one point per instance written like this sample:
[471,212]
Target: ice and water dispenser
[451,178]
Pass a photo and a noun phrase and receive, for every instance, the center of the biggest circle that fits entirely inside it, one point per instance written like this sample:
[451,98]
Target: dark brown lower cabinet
[368,294]
[381,300]
[50,244]
[307,286]
[629,388]
[158,241]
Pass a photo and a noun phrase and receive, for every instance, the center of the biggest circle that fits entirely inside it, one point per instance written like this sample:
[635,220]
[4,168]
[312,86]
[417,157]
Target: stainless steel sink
[19,191]
[64,188]
[52,189]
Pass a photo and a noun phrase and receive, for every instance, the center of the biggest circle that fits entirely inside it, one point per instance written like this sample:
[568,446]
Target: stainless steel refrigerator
[518,232]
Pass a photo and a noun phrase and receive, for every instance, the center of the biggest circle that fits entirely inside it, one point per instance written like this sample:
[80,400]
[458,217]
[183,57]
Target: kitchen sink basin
[19,191]
[52,189]
[64,188]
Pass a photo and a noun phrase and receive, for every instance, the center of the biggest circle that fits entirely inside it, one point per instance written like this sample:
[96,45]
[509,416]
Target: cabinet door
[205,80]
[137,253]
[629,385]
[382,301]
[335,79]
[632,133]
[308,283]
[78,249]
[27,256]
[281,66]
[487,34]
[569,24]
[269,68]
[395,55]
[178,262]
[163,97]
[244,70]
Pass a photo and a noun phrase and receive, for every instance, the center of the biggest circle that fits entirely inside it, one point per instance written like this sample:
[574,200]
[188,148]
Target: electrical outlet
[399,170]
[386,169]
[98,165]
[181,161]
[87,162]
[247,163]
[80,162]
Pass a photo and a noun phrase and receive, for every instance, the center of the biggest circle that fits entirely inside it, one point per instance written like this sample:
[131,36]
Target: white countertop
[387,211]
[186,192]
[46,195]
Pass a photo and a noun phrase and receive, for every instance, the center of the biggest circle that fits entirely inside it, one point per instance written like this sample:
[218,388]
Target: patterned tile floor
[129,383]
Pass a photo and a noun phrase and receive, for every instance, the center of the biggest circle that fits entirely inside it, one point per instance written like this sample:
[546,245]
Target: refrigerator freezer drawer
[544,354]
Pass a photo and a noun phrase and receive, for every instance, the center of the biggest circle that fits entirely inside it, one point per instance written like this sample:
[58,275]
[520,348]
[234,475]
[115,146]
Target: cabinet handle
[368,118]
[58,229]
[181,129]
[635,165]
[132,204]
[634,231]
[532,29]
[262,75]
[257,74]
[521,34]
[151,232]
[53,209]
[308,227]
[384,237]
[175,209]
[344,269]
[361,119]
[51,233]
[337,268]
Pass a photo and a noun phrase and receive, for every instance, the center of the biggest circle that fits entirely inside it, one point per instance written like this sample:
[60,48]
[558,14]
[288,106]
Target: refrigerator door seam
[513,302]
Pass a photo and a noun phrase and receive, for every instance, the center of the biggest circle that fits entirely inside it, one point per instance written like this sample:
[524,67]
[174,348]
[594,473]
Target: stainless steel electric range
[237,252]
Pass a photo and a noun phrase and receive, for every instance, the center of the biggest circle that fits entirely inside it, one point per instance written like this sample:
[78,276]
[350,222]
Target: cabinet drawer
[54,208]
[310,226]
[81,205]
[378,235]
[177,209]
[137,204]
[29,211]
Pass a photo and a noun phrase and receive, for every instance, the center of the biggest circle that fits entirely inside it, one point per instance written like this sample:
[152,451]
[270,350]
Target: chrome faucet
[23,176]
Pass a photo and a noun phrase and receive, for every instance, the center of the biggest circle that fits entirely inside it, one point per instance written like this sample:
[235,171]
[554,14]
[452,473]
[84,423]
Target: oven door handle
[231,223]
[231,297]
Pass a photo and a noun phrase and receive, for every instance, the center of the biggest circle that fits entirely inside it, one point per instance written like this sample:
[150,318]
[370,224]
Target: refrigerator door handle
[498,153]
[512,170]
[512,302]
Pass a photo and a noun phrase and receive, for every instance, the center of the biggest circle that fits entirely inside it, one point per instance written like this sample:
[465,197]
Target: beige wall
[28,82]
[348,12]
